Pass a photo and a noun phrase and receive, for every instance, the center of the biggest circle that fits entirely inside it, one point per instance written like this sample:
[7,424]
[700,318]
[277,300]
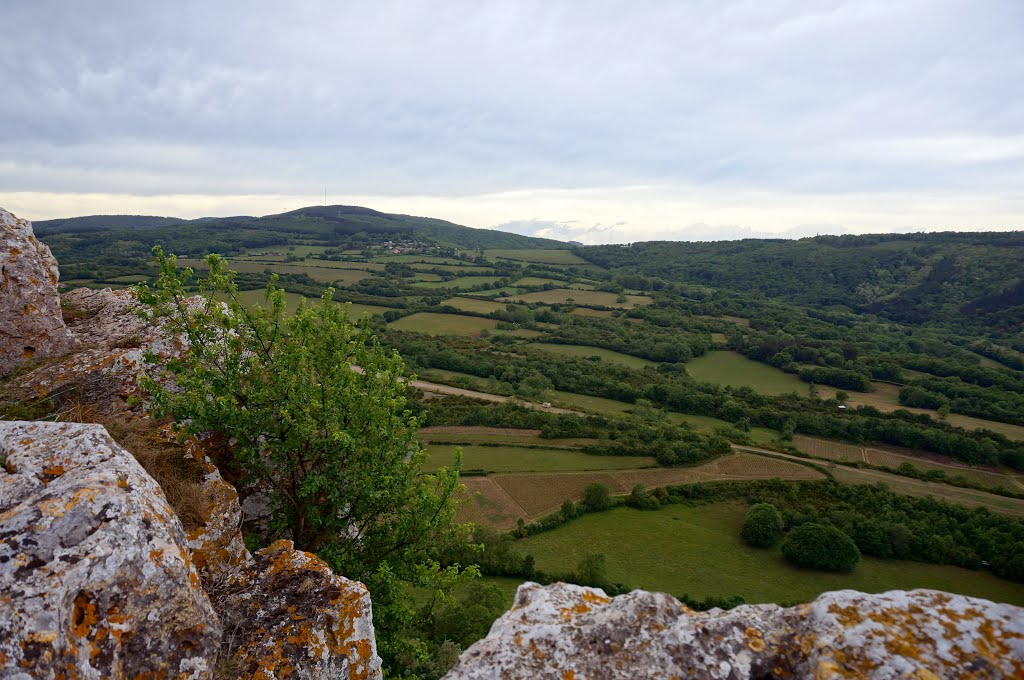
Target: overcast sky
[595,121]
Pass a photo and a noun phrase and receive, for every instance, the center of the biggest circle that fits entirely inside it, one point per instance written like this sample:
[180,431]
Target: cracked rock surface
[572,632]
[96,580]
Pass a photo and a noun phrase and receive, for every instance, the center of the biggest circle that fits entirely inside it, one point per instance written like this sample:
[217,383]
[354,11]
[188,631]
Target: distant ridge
[103,222]
[317,222]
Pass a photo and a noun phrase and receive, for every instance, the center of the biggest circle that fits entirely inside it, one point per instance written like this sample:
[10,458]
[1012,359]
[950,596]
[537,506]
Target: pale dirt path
[436,388]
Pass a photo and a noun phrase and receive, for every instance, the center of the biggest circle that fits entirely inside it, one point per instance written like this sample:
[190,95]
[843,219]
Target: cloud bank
[604,120]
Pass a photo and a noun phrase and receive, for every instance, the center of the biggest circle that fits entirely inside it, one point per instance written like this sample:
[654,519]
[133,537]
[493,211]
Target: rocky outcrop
[286,614]
[106,371]
[567,631]
[31,325]
[95,578]
[106,318]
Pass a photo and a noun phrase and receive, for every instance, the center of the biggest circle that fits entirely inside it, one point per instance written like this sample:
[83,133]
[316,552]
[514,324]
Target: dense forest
[962,279]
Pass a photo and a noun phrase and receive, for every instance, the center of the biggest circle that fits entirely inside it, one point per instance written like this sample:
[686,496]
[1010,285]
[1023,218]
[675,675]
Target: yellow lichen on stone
[755,640]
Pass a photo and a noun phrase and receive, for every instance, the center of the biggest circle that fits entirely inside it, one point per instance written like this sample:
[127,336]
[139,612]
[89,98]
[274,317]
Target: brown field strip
[829,450]
[892,458]
[475,429]
[915,487]
[487,503]
[541,493]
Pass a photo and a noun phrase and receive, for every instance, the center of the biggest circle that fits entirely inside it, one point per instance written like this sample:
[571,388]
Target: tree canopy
[315,413]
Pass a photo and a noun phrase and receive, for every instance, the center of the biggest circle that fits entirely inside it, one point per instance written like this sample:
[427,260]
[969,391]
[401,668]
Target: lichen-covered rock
[217,547]
[568,631]
[106,372]
[106,318]
[95,579]
[287,615]
[31,324]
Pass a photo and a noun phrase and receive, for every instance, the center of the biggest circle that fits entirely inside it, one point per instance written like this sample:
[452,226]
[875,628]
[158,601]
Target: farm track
[893,458]
[436,388]
[909,486]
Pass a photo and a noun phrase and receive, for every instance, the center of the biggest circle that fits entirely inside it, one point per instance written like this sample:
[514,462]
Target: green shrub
[820,546]
[763,525]
[597,497]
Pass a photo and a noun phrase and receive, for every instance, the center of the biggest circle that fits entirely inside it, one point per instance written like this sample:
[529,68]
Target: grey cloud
[464,97]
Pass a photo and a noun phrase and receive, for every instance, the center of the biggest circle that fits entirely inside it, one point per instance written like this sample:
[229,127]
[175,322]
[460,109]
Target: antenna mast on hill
[325,197]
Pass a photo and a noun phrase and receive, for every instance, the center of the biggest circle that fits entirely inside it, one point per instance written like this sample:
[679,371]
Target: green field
[604,354]
[291,301]
[537,281]
[697,551]
[471,305]
[518,332]
[518,459]
[498,292]
[580,297]
[761,436]
[464,282]
[321,274]
[731,368]
[430,259]
[587,311]
[539,255]
[281,252]
[466,269]
[443,324]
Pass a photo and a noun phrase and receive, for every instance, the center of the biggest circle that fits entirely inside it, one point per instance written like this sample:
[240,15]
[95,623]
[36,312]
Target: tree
[597,497]
[820,546]
[762,526]
[592,570]
[641,499]
[315,413]
[568,509]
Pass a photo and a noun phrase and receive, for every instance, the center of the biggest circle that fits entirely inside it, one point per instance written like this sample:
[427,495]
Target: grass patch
[697,551]
[580,297]
[732,368]
[461,282]
[539,255]
[430,259]
[537,281]
[471,305]
[519,459]
[292,300]
[969,498]
[443,324]
[586,352]
[885,397]
[587,311]
[320,274]
[466,269]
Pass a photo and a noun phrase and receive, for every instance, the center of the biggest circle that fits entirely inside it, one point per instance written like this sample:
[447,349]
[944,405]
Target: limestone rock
[217,547]
[287,615]
[106,318]
[30,317]
[95,578]
[567,631]
[106,372]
